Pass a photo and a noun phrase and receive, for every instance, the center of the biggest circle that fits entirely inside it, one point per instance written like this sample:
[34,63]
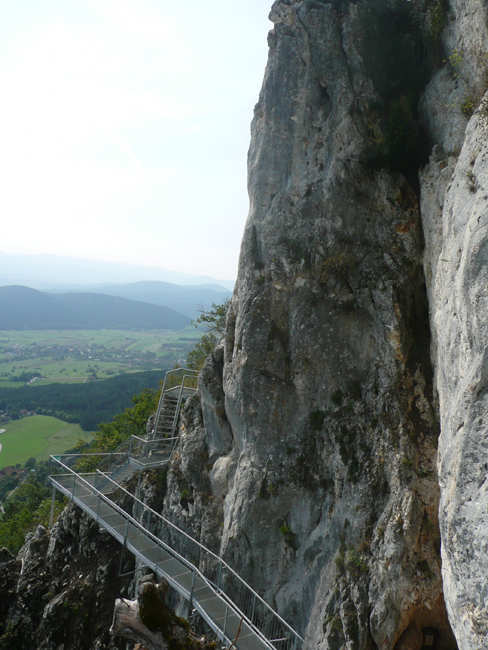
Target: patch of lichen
[288,535]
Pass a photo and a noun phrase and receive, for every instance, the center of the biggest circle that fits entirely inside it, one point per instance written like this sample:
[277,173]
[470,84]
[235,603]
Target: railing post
[219,576]
[253,608]
[178,407]
[126,532]
[190,602]
[51,514]
[225,618]
[97,513]
[73,488]
[160,404]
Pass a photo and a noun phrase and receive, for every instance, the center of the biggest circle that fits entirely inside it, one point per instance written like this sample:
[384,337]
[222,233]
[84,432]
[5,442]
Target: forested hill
[25,308]
[89,404]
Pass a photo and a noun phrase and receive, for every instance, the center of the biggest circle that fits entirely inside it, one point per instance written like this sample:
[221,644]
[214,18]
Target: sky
[124,128]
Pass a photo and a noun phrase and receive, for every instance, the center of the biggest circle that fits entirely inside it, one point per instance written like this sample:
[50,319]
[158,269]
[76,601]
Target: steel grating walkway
[232,609]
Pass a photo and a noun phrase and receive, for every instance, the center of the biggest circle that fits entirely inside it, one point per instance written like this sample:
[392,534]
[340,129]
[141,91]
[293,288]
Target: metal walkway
[232,609]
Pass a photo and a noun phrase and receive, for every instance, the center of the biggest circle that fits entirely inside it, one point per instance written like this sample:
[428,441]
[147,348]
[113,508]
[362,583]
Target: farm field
[37,436]
[68,356]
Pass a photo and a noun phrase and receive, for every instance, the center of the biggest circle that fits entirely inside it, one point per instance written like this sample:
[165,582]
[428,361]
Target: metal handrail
[146,441]
[175,371]
[92,453]
[204,548]
[215,588]
[116,506]
[133,442]
[137,524]
[220,562]
[180,399]
[252,606]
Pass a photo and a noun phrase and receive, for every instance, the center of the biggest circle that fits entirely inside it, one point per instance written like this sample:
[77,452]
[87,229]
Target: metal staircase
[232,609]
[178,385]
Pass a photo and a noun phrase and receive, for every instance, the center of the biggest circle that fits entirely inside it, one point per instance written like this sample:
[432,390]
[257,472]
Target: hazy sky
[124,128]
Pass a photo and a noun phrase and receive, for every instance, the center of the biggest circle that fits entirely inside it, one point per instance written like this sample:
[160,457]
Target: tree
[30,463]
[110,434]
[214,320]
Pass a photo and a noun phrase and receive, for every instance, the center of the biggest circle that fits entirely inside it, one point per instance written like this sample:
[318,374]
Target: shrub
[214,320]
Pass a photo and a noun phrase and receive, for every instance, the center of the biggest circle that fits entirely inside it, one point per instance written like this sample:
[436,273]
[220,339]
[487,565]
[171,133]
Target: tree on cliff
[214,320]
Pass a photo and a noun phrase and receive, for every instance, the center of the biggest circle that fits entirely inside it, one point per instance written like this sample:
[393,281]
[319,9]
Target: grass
[67,356]
[37,436]
[63,370]
[143,339]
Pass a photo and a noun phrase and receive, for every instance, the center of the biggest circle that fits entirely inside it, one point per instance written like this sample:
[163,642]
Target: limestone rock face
[454,191]
[321,413]
[321,431]
[59,591]
[460,322]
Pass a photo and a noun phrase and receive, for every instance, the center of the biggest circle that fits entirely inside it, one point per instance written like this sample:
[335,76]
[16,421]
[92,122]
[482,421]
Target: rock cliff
[454,212]
[59,592]
[340,367]
[335,452]
[324,456]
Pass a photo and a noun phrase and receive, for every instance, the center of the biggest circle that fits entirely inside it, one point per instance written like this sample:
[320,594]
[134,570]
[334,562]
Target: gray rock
[327,441]
[459,319]
[454,189]
[60,590]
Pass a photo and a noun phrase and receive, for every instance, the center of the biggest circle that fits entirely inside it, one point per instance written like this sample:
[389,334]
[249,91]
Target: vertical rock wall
[59,592]
[455,211]
[459,316]
[320,459]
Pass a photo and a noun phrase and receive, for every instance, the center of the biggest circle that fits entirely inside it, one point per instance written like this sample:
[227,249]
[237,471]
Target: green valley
[66,356]
[36,437]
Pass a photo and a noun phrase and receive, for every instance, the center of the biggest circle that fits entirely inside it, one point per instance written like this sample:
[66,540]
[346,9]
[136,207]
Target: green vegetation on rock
[132,421]
[214,320]
[28,506]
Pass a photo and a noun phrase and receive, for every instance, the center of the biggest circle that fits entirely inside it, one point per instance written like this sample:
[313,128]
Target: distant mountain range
[189,300]
[46,272]
[25,308]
